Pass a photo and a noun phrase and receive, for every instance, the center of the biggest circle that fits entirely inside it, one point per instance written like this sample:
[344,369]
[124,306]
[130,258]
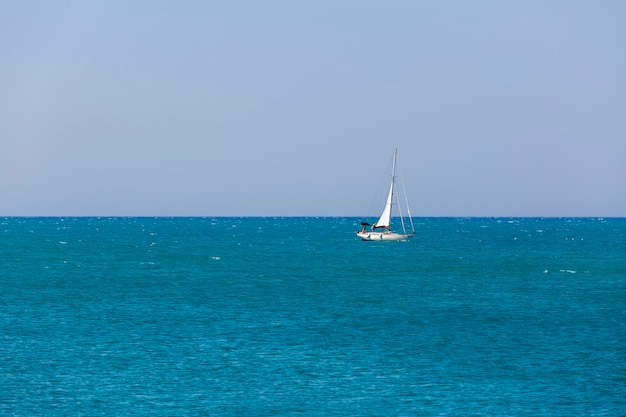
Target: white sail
[385,218]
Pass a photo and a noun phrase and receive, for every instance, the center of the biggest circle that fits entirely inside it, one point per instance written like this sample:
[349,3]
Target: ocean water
[297,317]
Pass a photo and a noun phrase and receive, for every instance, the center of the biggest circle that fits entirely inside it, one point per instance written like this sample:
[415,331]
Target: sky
[294,108]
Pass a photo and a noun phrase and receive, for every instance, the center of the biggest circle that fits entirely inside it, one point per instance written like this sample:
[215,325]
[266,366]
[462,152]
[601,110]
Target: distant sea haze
[297,316]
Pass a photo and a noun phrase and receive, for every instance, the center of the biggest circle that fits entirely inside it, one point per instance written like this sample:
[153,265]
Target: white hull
[378,236]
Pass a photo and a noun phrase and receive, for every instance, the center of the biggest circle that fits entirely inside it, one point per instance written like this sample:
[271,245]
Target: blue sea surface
[297,317]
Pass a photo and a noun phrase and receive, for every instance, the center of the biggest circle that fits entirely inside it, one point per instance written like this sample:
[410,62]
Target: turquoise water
[296,316]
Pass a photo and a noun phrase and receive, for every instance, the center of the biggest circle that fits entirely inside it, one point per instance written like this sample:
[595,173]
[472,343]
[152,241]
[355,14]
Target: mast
[393,182]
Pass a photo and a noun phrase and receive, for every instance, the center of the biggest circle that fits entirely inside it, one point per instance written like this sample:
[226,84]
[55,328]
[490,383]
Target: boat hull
[383,236]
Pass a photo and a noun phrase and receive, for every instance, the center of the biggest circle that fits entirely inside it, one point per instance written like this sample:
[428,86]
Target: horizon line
[313,216]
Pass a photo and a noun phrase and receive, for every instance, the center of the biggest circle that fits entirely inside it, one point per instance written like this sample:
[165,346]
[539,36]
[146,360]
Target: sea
[295,316]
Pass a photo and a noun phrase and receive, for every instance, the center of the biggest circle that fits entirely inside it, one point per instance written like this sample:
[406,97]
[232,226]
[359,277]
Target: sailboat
[381,230]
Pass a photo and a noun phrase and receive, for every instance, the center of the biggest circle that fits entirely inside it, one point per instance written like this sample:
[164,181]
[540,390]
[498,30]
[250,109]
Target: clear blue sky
[216,108]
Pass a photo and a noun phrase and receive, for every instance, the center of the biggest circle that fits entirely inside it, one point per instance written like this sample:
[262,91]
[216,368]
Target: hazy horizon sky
[282,108]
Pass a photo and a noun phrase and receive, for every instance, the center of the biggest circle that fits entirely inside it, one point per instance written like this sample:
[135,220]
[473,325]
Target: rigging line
[401,215]
[406,200]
